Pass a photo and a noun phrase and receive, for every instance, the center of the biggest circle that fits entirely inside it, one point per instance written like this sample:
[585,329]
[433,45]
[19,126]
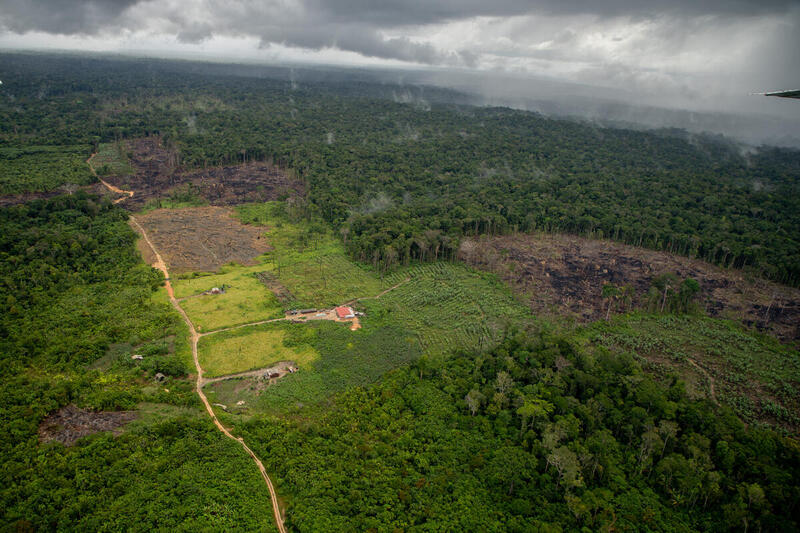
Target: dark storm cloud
[414,12]
[95,16]
[61,16]
[505,34]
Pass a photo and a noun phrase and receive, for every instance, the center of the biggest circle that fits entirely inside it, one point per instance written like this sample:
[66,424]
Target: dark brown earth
[15,199]
[271,282]
[562,274]
[201,238]
[70,423]
[157,174]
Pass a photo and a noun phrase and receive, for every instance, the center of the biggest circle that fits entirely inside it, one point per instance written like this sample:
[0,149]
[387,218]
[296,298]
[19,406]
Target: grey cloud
[61,16]
[393,13]
[542,32]
[94,16]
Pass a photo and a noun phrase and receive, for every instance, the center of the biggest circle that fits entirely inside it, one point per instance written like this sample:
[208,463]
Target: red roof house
[345,312]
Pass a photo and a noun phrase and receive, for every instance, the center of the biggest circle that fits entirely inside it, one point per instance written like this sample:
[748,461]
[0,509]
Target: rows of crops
[450,306]
[112,159]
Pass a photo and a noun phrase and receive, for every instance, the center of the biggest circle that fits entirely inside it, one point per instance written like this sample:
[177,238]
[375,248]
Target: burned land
[158,174]
[71,423]
[201,238]
[562,274]
[16,199]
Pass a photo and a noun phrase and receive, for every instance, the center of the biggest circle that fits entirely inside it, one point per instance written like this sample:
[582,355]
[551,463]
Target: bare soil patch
[563,274]
[201,238]
[158,174]
[70,423]
[278,289]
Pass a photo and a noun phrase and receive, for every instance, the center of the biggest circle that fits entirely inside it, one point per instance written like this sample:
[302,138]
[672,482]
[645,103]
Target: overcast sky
[695,51]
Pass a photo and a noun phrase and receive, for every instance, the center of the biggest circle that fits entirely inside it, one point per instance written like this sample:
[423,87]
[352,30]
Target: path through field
[710,380]
[108,186]
[195,337]
[161,265]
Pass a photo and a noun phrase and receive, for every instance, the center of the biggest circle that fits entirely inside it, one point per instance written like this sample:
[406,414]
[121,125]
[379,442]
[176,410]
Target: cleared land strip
[159,263]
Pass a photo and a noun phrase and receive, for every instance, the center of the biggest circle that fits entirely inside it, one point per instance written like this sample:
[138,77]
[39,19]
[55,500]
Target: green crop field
[250,348]
[245,299]
[449,306]
[309,260]
[111,160]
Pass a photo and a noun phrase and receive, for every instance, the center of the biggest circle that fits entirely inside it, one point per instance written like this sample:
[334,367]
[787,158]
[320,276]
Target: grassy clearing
[250,348]
[245,300]
[754,374]
[112,160]
[309,260]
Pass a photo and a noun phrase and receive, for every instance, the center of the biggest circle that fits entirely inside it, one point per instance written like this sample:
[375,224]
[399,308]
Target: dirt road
[195,337]
[242,325]
[107,185]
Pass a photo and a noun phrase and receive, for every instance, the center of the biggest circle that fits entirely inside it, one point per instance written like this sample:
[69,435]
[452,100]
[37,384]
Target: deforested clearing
[71,423]
[565,274]
[202,238]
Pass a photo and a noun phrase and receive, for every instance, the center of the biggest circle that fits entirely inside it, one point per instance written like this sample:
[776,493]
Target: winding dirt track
[710,380]
[195,337]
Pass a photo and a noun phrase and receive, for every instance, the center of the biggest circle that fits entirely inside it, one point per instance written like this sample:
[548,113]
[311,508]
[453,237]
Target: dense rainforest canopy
[545,431]
[406,177]
[534,435]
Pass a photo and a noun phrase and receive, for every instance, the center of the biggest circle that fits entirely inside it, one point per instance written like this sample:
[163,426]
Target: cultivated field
[111,159]
[434,308]
[250,348]
[564,275]
[449,306]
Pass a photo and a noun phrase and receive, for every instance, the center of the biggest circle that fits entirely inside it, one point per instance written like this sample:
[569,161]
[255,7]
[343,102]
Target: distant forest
[405,172]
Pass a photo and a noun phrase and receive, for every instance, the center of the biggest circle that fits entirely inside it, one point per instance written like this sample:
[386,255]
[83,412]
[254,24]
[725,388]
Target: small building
[344,312]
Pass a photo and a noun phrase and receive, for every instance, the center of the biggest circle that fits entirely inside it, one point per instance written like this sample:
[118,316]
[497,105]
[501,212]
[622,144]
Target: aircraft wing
[785,94]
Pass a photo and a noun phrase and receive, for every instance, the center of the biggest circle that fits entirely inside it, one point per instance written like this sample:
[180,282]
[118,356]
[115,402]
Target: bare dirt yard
[70,423]
[201,238]
[158,174]
[564,274]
